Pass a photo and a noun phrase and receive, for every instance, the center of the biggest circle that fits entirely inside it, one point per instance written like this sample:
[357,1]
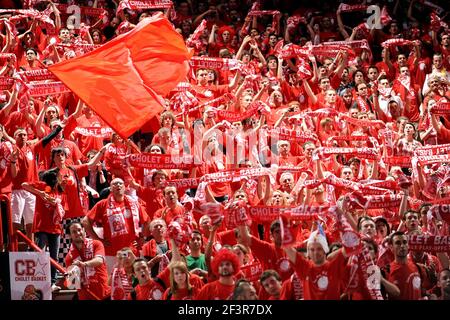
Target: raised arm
[92,164]
[341,26]
[309,92]
[235,81]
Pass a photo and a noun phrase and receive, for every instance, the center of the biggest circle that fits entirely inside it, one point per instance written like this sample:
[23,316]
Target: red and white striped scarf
[120,285]
[130,207]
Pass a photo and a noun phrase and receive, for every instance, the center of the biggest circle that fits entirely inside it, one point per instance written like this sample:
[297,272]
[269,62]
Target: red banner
[183,184]
[160,161]
[362,123]
[441,109]
[397,42]
[307,213]
[291,135]
[215,63]
[349,8]
[424,160]
[401,161]
[364,153]
[252,271]
[145,63]
[84,11]
[433,150]
[441,212]
[96,132]
[144,5]
[423,242]
[236,216]
[194,39]
[231,116]
[6,83]
[266,214]
[48,88]
[37,75]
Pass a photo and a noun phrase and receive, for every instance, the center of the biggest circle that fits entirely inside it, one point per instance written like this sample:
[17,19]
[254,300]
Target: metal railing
[13,240]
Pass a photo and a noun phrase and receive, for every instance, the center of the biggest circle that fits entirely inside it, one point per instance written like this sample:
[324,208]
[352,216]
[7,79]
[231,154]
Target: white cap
[316,237]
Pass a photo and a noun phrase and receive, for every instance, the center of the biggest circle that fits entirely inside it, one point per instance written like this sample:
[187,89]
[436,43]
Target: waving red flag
[123,80]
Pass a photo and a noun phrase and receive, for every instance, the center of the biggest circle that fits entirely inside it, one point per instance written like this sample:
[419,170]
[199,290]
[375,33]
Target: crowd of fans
[319,134]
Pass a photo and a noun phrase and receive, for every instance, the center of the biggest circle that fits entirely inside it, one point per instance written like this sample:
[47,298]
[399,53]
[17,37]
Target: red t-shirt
[407,278]
[26,168]
[149,291]
[97,276]
[169,214]
[74,207]
[88,143]
[45,215]
[444,135]
[17,120]
[6,150]
[44,153]
[271,257]
[123,225]
[215,291]
[113,160]
[153,198]
[321,282]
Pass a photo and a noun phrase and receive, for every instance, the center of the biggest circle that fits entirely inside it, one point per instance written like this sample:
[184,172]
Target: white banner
[30,276]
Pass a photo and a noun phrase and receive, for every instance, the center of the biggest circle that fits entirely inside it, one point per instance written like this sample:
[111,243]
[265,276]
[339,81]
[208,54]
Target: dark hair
[269,273]
[372,243]
[356,71]
[275,224]
[334,245]
[156,173]
[196,232]
[56,151]
[139,260]
[239,288]
[148,148]
[395,234]
[271,57]
[72,224]
[410,211]
[50,177]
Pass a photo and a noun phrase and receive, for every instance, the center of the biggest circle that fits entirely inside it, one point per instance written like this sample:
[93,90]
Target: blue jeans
[44,239]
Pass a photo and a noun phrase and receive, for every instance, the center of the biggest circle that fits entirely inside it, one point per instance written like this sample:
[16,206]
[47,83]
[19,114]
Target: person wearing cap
[321,278]
[225,265]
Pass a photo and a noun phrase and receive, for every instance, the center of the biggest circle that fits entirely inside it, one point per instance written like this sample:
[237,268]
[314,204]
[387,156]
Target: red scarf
[117,214]
[120,286]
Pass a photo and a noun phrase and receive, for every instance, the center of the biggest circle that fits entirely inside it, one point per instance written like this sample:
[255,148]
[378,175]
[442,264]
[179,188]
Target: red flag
[122,81]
